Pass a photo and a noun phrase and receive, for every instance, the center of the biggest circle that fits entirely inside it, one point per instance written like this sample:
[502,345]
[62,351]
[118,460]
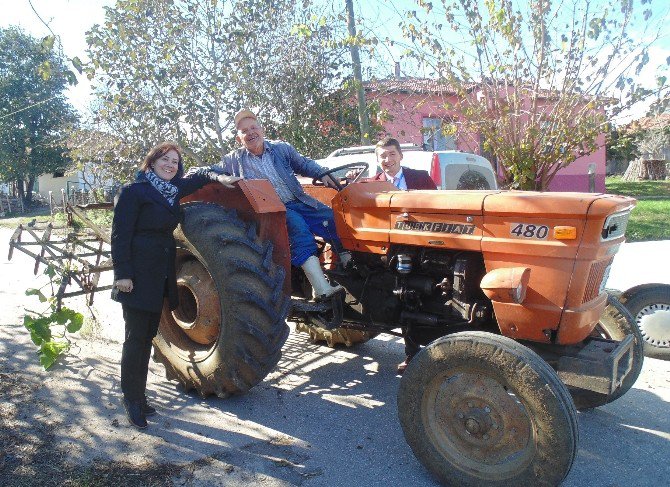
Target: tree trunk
[29,191]
[641,169]
[363,119]
[19,189]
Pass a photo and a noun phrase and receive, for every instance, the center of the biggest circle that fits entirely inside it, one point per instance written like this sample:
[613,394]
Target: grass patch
[102,218]
[13,220]
[648,221]
[638,189]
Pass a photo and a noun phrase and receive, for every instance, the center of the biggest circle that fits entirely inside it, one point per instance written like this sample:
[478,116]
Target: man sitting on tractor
[278,162]
[389,156]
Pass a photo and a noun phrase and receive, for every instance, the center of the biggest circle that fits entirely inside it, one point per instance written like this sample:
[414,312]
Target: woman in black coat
[143,251]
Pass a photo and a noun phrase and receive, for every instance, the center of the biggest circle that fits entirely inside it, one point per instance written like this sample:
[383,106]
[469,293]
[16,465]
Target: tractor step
[327,313]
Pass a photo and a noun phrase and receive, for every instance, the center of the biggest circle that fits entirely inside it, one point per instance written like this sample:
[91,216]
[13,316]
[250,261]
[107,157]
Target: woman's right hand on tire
[124,285]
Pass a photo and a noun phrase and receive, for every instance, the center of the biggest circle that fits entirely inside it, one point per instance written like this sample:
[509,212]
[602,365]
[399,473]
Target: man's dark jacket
[415,178]
[143,248]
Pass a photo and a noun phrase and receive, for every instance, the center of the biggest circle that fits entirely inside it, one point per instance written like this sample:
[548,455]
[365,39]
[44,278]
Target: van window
[472,179]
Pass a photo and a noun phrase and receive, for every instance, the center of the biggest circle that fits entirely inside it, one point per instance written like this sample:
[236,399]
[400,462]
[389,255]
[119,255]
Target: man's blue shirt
[286,160]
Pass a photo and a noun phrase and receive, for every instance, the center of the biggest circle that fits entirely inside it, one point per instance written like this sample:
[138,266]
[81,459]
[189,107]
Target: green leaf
[61,317]
[50,351]
[47,43]
[50,271]
[76,320]
[38,293]
[28,321]
[40,330]
[78,65]
[44,70]
[71,78]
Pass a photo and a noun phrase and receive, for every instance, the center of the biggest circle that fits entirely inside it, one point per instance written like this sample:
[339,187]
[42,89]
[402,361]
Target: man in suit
[389,156]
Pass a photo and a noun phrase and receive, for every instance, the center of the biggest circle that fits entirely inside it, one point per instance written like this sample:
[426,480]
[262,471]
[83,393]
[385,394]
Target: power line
[28,107]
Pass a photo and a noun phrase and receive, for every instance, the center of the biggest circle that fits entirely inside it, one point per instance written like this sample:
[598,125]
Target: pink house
[416,109]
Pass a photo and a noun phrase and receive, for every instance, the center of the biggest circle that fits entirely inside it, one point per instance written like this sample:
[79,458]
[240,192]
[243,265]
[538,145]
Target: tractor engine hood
[371,216]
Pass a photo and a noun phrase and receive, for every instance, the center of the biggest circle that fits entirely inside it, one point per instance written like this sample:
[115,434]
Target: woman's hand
[227,181]
[124,285]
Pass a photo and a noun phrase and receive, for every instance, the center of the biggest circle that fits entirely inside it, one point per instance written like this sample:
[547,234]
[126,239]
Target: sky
[70,19]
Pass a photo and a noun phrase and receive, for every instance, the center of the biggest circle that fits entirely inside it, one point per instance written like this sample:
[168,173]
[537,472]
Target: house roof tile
[649,123]
[412,85]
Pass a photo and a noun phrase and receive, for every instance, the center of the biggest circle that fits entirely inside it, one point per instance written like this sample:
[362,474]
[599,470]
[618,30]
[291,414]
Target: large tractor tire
[481,409]
[651,311]
[615,323]
[228,331]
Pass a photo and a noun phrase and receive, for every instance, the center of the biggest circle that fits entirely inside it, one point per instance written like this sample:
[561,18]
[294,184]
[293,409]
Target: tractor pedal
[334,304]
[299,304]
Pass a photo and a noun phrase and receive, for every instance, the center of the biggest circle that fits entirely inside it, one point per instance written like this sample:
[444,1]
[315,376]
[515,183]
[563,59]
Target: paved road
[324,417]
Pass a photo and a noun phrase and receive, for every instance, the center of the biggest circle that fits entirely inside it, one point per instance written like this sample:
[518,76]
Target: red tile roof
[434,86]
[649,123]
[412,85]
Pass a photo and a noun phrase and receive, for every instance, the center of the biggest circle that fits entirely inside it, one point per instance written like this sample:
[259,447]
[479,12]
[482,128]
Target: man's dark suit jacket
[415,178]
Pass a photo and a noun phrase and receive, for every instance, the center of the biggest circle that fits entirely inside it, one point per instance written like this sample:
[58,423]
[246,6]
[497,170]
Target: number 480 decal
[528,230]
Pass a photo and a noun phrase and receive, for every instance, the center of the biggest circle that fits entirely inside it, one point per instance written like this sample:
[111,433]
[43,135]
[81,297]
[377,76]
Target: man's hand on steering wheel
[326,177]
[329,180]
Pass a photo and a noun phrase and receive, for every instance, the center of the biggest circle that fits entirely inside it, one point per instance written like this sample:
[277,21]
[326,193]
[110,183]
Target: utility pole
[358,77]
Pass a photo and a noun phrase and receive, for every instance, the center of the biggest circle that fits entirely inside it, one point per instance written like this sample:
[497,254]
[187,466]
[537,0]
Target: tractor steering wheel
[342,183]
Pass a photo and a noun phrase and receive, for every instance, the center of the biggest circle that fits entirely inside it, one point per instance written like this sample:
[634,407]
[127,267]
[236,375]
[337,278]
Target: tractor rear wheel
[228,331]
[615,323]
[482,409]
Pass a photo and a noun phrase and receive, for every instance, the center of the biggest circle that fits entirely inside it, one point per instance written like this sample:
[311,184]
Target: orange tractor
[505,289]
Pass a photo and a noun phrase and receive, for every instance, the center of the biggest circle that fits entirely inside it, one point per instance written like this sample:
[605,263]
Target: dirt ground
[324,417]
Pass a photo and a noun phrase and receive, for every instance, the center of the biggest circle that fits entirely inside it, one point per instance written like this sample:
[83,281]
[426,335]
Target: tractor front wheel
[482,409]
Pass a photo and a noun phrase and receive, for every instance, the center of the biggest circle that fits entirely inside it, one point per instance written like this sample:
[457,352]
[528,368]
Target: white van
[449,169]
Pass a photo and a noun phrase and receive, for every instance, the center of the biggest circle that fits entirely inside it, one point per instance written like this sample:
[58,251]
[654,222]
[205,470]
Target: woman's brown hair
[159,151]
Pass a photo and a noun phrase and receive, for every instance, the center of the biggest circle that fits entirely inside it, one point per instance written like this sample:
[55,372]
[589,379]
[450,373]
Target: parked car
[449,169]
[643,282]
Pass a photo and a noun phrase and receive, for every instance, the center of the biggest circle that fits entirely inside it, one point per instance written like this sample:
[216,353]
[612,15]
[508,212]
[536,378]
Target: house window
[433,136]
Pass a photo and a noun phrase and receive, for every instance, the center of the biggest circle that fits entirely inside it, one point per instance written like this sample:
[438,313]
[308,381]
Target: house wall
[407,111]
[47,182]
[576,177]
